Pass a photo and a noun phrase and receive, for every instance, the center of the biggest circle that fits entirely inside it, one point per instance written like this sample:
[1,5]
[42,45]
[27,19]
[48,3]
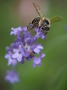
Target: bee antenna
[37,7]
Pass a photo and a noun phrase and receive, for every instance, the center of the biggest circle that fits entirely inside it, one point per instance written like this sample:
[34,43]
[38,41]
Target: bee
[41,22]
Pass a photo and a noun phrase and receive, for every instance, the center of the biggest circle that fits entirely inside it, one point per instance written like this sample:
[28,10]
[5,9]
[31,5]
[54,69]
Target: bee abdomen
[34,23]
[36,20]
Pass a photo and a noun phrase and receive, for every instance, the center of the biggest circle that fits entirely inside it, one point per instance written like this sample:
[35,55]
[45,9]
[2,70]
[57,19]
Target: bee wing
[55,19]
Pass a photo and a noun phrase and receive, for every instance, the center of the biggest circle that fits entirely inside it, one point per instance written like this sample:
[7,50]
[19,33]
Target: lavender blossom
[17,31]
[18,53]
[12,77]
[37,61]
[39,33]
[23,48]
[38,49]
[9,55]
[11,60]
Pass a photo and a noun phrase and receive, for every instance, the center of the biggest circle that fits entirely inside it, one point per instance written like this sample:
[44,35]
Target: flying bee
[42,22]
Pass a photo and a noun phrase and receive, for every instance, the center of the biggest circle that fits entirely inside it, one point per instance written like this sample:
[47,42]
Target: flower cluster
[23,48]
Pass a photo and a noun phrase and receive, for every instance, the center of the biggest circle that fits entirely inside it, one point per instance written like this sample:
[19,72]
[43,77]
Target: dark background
[52,75]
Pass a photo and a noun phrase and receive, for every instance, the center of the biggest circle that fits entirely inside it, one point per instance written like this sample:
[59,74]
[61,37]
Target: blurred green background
[52,75]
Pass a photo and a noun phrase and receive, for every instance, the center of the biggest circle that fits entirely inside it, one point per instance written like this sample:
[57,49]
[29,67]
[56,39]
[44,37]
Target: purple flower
[37,61]
[39,33]
[37,49]
[24,29]
[12,77]
[17,31]
[18,53]
[11,60]
[24,46]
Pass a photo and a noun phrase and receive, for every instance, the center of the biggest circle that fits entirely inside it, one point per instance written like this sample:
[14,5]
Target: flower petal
[42,55]
[15,55]
[37,51]
[24,28]
[7,56]
[39,47]
[36,60]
